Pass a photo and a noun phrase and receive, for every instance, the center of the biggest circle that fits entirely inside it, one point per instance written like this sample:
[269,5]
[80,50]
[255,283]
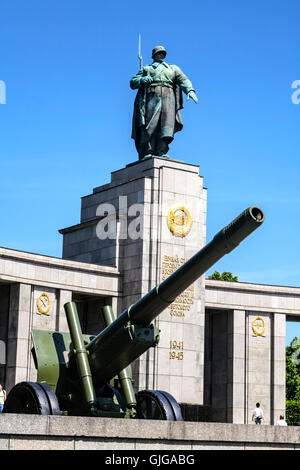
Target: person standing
[281,421]
[257,414]
[2,398]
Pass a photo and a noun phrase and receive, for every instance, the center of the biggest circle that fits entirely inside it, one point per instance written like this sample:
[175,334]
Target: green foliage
[292,412]
[293,382]
[225,276]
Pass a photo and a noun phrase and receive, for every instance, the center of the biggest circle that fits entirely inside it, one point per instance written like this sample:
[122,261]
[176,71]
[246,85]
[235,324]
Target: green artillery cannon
[91,375]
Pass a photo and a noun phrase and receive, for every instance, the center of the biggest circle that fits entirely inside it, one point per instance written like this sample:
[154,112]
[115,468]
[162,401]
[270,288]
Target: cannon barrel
[131,334]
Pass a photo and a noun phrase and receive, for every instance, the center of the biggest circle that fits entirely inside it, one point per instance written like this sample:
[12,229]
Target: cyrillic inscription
[183,302]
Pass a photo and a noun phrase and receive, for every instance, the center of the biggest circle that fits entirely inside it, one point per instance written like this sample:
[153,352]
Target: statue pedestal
[148,221]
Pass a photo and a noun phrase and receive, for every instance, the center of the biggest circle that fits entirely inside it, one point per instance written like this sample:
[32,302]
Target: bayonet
[139,55]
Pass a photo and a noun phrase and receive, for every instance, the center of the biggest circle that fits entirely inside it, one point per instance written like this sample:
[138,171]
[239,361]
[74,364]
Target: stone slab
[19,432]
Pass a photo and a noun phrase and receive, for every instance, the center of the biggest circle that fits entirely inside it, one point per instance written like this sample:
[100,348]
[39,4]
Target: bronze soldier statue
[157,106]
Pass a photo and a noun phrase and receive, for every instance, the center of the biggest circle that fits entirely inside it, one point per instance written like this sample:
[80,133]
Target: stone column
[236,367]
[278,366]
[258,364]
[4,315]
[64,296]
[18,340]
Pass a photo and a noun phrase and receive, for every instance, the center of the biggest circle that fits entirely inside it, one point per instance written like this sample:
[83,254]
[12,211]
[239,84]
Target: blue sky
[67,119]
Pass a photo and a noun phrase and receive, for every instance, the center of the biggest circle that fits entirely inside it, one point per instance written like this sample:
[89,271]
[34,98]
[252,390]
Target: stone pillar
[159,209]
[265,365]
[278,366]
[245,364]
[225,365]
[18,338]
[4,315]
[218,376]
[236,368]
[64,296]
[258,364]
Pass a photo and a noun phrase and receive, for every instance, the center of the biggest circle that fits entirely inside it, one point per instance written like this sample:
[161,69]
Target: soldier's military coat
[157,106]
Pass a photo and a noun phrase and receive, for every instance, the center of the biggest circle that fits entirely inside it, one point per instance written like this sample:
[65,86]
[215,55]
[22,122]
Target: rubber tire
[40,399]
[52,399]
[162,403]
[175,405]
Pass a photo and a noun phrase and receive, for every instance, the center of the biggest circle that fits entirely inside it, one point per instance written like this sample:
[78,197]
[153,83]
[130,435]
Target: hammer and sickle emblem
[258,326]
[179,221]
[43,303]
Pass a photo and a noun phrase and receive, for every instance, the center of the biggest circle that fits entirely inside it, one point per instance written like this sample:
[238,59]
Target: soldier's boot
[162,148]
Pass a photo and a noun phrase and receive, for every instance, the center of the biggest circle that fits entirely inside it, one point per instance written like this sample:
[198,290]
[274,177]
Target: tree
[225,276]
[293,370]
[293,382]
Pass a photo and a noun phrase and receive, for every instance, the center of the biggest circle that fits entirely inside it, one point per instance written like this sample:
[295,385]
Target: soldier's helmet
[158,49]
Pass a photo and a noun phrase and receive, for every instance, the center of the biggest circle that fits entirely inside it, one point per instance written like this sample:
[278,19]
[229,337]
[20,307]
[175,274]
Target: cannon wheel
[174,404]
[154,404]
[31,398]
